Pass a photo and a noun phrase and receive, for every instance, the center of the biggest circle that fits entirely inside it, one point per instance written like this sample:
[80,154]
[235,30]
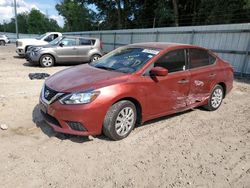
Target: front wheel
[2,43]
[95,57]
[215,98]
[47,60]
[120,120]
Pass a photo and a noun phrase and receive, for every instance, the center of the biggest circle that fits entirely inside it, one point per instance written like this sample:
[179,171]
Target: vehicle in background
[23,44]
[4,40]
[34,47]
[69,49]
[134,84]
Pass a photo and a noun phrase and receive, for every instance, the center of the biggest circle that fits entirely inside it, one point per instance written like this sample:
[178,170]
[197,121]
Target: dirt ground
[192,149]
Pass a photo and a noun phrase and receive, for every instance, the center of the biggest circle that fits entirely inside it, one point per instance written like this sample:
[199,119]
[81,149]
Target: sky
[47,7]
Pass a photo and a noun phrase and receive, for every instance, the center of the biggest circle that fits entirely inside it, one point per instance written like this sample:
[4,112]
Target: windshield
[41,36]
[55,41]
[127,60]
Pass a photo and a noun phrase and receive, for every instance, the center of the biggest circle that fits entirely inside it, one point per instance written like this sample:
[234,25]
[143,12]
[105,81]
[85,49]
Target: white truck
[23,44]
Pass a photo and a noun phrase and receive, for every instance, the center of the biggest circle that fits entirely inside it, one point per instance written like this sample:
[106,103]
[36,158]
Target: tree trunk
[176,14]
[119,24]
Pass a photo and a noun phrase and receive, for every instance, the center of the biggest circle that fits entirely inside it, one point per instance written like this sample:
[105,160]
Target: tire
[215,99]
[47,60]
[94,57]
[2,43]
[120,120]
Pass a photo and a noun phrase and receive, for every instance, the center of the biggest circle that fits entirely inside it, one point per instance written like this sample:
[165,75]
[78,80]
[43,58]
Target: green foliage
[32,22]
[124,14]
[76,15]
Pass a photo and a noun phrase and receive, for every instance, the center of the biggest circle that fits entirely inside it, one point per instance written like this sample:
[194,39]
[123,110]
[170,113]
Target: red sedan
[131,85]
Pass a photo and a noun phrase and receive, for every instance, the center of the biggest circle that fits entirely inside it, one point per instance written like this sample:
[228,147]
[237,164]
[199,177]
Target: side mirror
[159,71]
[61,44]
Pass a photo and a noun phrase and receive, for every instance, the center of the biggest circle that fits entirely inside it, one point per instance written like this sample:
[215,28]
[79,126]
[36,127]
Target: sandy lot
[192,149]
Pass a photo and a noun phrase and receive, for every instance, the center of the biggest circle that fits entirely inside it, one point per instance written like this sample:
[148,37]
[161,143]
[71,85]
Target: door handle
[183,81]
[211,75]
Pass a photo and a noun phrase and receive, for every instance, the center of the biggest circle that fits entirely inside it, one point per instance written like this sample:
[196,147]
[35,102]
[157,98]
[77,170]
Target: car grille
[49,93]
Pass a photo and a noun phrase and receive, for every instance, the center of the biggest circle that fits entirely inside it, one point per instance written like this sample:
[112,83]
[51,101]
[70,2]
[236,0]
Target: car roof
[162,45]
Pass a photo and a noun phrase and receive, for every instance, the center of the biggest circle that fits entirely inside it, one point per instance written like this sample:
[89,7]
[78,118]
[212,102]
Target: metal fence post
[192,37]
[156,36]
[131,38]
[245,62]
[100,36]
[114,40]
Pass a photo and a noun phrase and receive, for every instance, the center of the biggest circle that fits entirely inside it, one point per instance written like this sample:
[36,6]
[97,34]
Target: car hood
[83,77]
[32,41]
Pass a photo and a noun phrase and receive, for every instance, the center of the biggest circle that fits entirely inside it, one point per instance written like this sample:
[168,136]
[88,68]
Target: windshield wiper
[105,68]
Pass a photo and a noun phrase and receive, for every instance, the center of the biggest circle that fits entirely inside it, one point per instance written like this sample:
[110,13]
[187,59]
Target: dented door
[168,94]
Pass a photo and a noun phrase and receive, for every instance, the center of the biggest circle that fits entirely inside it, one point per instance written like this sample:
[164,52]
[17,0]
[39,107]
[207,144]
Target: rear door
[167,94]
[85,45]
[203,74]
[67,52]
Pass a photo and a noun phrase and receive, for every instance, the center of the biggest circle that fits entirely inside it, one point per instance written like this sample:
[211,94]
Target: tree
[76,15]
[31,22]
[23,22]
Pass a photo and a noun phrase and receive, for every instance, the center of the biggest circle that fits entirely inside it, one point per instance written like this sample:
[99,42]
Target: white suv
[4,40]
[23,44]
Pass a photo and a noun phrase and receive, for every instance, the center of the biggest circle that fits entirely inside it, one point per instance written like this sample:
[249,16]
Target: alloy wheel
[47,61]
[124,121]
[216,98]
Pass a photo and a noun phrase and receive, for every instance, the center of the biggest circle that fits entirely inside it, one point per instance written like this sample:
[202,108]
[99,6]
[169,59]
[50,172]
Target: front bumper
[59,117]
[20,51]
[32,57]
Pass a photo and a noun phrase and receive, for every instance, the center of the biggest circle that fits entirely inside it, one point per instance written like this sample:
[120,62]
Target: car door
[85,45]
[66,51]
[167,94]
[203,74]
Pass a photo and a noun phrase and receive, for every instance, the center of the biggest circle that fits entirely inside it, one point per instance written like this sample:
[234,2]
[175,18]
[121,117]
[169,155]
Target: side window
[49,38]
[173,61]
[69,42]
[55,36]
[200,58]
[93,41]
[84,42]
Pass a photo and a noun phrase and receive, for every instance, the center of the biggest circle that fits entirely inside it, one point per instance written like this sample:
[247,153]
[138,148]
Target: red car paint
[155,96]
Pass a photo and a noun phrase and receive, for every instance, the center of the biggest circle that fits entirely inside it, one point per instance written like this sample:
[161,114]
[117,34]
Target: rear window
[85,41]
[200,58]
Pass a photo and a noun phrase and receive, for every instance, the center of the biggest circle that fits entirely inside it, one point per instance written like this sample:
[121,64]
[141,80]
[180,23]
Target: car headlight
[80,97]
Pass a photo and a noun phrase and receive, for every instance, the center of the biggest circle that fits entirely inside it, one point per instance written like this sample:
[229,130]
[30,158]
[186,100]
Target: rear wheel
[47,60]
[95,57]
[120,120]
[215,98]
[2,43]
